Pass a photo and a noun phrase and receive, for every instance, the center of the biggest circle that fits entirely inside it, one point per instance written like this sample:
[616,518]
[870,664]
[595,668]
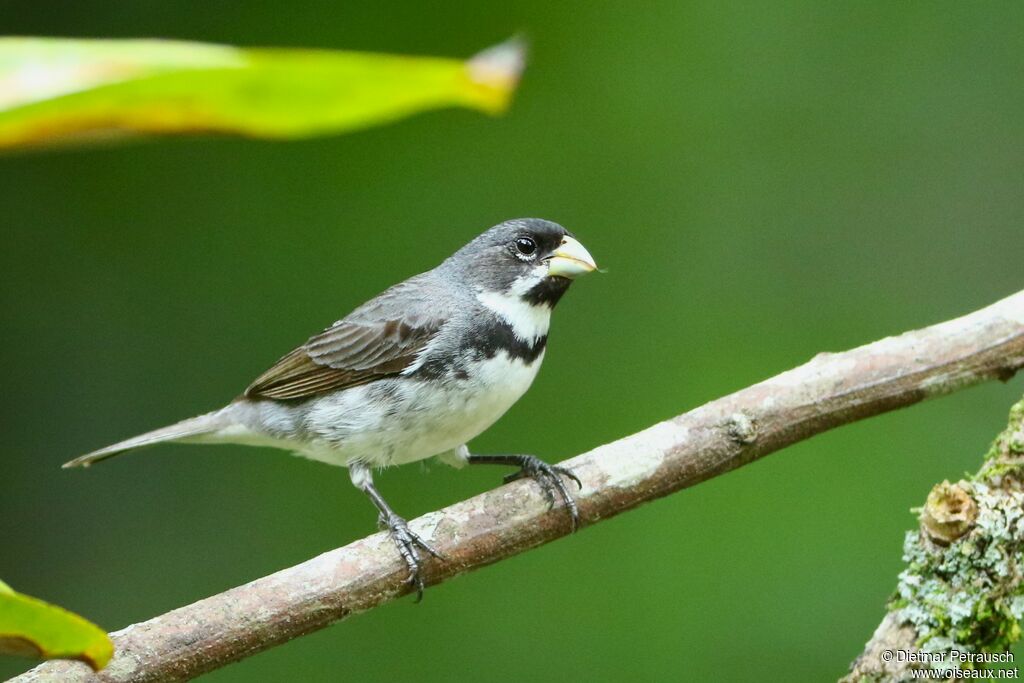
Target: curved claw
[569,475]
[407,541]
[549,477]
[564,471]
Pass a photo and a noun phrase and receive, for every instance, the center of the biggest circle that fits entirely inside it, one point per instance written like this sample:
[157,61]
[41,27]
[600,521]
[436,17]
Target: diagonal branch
[831,390]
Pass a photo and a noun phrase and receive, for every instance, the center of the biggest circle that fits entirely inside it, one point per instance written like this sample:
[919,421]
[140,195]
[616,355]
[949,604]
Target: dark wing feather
[381,338]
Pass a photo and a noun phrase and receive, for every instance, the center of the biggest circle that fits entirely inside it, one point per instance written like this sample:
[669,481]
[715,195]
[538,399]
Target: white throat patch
[529,322]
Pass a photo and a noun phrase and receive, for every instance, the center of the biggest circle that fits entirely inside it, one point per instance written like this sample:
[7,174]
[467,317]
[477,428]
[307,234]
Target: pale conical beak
[570,260]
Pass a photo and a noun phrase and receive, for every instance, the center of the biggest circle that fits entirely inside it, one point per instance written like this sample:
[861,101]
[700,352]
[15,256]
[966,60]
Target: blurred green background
[761,181]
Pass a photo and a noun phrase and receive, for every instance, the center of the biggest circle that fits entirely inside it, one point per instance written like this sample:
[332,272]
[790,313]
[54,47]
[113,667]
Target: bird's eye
[525,246]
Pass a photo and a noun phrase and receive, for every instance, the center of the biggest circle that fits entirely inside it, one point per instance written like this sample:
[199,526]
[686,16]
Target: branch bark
[831,390]
[962,594]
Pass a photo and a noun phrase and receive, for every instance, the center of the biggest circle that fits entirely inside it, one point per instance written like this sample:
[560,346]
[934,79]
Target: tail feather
[186,430]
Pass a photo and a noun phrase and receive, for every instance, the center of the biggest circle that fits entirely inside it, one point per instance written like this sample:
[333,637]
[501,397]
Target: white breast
[414,420]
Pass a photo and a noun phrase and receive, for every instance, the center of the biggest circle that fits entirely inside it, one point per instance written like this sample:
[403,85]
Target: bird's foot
[409,543]
[549,477]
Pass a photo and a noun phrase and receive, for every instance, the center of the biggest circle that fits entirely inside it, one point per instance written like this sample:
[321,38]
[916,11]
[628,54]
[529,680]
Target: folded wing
[380,339]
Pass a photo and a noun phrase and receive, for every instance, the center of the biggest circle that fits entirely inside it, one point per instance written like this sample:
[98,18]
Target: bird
[416,372]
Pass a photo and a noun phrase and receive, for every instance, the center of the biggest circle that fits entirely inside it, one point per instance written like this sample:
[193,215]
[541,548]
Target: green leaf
[56,90]
[33,628]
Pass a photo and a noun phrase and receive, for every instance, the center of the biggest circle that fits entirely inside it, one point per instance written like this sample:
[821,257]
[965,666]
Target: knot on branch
[962,589]
[741,428]
[948,513]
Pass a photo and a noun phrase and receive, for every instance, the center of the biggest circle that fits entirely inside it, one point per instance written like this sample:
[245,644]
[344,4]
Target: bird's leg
[407,540]
[549,477]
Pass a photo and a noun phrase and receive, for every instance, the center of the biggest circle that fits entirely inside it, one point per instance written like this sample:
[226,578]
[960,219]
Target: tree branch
[962,593]
[831,390]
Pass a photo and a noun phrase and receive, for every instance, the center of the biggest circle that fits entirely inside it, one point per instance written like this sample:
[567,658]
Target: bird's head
[529,258]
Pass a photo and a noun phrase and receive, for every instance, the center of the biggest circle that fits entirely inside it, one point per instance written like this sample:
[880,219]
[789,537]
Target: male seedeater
[415,372]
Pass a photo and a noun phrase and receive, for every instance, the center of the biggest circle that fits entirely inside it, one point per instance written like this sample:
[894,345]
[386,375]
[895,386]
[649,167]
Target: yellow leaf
[56,90]
[33,628]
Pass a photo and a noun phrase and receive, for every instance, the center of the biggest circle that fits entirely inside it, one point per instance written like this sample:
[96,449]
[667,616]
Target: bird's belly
[392,422]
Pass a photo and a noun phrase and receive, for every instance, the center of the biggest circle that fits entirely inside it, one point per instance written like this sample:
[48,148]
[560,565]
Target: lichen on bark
[968,594]
[962,590]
